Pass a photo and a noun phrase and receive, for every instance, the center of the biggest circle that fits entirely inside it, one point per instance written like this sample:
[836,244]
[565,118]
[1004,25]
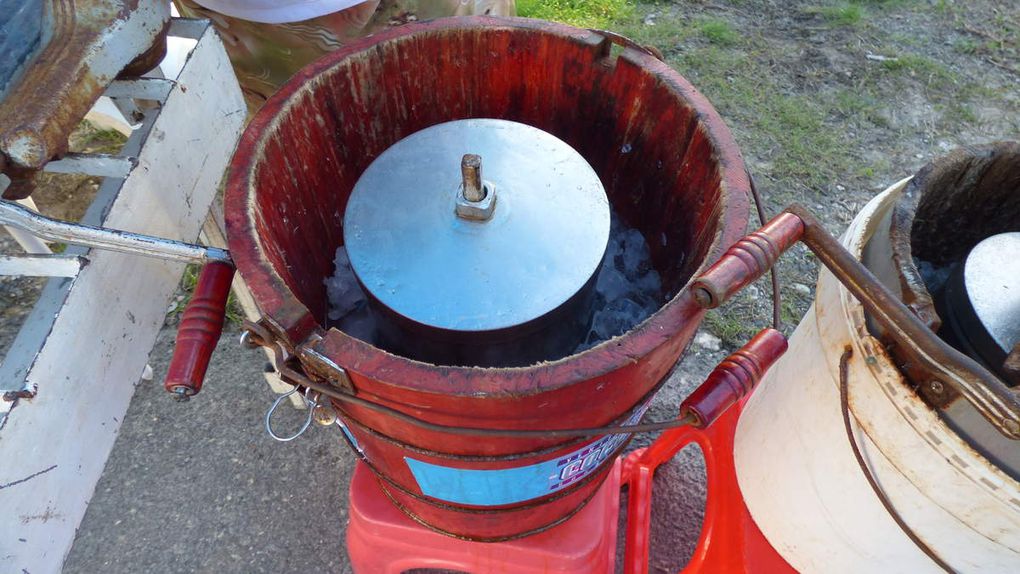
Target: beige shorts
[265,56]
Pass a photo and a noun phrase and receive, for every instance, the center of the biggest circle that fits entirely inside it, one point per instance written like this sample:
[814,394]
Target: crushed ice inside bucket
[348,304]
[934,276]
[627,291]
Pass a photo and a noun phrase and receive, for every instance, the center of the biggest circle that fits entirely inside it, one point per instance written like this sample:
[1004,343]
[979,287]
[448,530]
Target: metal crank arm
[109,239]
[202,321]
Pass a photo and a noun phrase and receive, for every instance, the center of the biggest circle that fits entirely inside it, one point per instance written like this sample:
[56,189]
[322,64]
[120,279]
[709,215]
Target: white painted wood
[105,115]
[53,447]
[156,89]
[803,486]
[100,165]
[41,265]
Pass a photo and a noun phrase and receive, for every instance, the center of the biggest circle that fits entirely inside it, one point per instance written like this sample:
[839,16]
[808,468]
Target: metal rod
[15,215]
[260,336]
[471,172]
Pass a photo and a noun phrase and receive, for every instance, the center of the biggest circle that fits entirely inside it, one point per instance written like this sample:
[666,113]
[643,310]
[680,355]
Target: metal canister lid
[476,225]
[991,276]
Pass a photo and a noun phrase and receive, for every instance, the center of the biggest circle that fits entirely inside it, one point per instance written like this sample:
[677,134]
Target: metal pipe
[14,215]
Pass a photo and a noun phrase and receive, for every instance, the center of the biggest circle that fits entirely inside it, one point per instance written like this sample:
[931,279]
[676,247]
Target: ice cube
[342,288]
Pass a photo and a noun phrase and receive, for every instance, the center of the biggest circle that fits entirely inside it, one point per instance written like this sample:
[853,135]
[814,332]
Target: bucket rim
[296,323]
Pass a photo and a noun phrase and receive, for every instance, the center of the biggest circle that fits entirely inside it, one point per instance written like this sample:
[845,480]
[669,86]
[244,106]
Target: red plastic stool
[383,540]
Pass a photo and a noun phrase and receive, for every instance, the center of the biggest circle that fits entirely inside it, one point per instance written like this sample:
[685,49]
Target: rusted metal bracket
[623,41]
[91,42]
[286,358]
[755,254]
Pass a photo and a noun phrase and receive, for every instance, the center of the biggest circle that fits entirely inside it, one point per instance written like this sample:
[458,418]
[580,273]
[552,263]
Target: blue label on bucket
[510,485]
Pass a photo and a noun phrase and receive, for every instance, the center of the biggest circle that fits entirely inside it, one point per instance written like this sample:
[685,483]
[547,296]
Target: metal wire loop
[309,403]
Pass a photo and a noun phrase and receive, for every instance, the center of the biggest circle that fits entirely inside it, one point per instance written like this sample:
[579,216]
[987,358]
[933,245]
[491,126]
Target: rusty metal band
[295,377]
[844,405]
[577,441]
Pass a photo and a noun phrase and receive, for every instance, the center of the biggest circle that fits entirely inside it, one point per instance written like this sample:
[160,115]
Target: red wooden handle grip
[199,330]
[747,260]
[734,378]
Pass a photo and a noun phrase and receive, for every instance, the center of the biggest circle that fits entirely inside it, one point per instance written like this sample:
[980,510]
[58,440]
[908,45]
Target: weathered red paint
[735,378]
[669,165]
[200,329]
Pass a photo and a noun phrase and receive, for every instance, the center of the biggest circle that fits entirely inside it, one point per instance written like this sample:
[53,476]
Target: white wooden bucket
[803,485]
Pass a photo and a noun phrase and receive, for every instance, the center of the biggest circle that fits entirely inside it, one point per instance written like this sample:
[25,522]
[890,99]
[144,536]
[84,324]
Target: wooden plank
[97,164]
[37,326]
[41,265]
[156,89]
[53,446]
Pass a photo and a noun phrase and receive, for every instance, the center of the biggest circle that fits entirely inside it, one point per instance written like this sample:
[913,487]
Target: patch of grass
[789,131]
[962,112]
[924,68]
[724,323]
[849,14]
[858,104]
[945,8]
[582,13]
[791,127]
[912,63]
[89,138]
[970,46]
[718,32]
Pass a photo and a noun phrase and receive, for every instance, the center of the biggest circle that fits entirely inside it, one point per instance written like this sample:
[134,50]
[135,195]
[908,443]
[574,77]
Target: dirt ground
[830,103]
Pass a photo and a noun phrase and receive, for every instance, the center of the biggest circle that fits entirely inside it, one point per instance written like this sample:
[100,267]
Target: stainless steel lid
[476,225]
[991,276]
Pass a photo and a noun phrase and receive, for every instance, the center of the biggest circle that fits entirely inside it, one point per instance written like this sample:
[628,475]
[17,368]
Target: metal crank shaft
[15,215]
[202,321]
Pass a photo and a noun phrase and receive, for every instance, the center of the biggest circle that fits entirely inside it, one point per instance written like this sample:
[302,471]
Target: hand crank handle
[730,382]
[202,321]
[734,378]
[199,330]
[753,255]
[747,260]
